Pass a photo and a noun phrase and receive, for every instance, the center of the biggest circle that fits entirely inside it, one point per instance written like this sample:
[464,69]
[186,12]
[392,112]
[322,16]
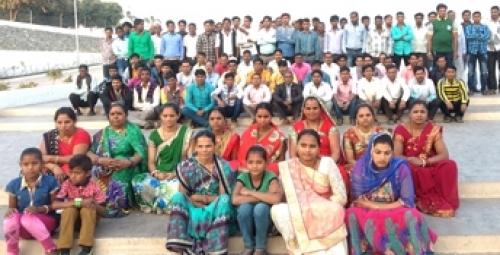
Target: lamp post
[75,10]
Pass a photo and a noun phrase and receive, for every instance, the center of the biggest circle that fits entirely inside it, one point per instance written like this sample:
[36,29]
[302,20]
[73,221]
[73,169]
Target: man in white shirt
[254,94]
[120,49]
[273,64]
[189,42]
[146,98]
[156,37]
[395,94]
[422,88]
[184,78]
[419,42]
[247,37]
[246,65]
[319,89]
[369,88]
[229,98]
[493,50]
[334,37]
[225,42]
[330,68]
[267,40]
[84,95]
[462,50]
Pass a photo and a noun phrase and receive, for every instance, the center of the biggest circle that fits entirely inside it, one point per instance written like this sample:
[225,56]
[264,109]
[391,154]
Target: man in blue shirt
[316,65]
[199,101]
[354,39]
[477,36]
[285,37]
[307,43]
[172,47]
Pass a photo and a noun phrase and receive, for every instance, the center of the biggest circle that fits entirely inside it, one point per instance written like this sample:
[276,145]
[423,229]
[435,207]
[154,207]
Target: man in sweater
[453,96]
[140,42]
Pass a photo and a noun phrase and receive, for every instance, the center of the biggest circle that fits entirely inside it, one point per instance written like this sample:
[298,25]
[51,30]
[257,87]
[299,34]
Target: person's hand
[392,105]
[58,173]
[10,212]
[402,105]
[120,164]
[88,203]
[200,113]
[245,192]
[31,210]
[415,161]
[221,103]
[288,102]
[362,202]
[49,158]
[463,107]
[429,56]
[455,55]
[107,162]
[288,107]
[402,38]
[449,106]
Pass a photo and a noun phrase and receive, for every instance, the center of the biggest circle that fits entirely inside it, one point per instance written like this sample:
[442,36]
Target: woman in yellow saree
[312,219]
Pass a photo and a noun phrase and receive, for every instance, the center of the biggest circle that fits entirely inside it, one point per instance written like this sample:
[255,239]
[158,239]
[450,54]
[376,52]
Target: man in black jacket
[287,98]
[116,91]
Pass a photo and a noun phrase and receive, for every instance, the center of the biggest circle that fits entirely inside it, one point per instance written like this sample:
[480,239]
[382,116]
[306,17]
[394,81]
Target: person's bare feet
[285,122]
[247,252]
[260,252]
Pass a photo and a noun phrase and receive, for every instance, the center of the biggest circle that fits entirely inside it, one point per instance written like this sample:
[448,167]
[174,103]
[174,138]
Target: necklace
[414,138]
[365,135]
[317,127]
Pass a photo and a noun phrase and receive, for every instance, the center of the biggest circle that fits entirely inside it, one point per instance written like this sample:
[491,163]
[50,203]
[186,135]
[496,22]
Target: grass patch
[54,74]
[4,86]
[27,85]
[68,79]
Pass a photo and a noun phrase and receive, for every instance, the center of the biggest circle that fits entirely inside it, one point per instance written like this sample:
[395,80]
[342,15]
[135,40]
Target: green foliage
[4,86]
[54,74]
[27,85]
[68,79]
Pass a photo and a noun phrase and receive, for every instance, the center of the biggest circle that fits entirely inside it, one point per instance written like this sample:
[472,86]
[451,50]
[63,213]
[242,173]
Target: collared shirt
[184,80]
[200,98]
[108,57]
[325,78]
[89,190]
[244,69]
[454,91]
[285,37]
[40,195]
[370,90]
[419,42]
[344,90]
[334,40]
[393,90]
[377,43]
[83,91]
[300,70]
[190,44]
[494,42]
[442,36]
[237,80]
[172,46]
[354,37]
[206,44]
[120,48]
[332,70]
[226,41]
[267,41]
[212,78]
[277,78]
[157,43]
[307,44]
[273,64]
[177,96]
[426,89]
[477,37]
[265,76]
[223,92]
[253,95]
[403,37]
[243,43]
[323,91]
[196,67]
[407,73]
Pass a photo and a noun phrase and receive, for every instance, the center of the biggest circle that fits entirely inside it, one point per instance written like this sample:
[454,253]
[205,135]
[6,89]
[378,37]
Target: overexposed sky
[197,10]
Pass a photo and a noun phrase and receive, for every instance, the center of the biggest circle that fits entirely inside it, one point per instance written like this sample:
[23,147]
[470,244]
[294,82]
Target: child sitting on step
[29,214]
[255,192]
[82,201]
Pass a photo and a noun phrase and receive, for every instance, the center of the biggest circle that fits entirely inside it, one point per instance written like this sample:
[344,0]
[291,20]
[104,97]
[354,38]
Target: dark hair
[342,56]
[229,75]
[145,68]
[365,67]
[417,102]
[285,15]
[344,69]
[465,11]
[65,111]
[118,28]
[236,18]
[232,61]
[441,6]
[316,62]
[247,52]
[431,13]
[158,56]
[389,67]
[170,76]
[166,63]
[204,133]
[419,14]
[400,14]
[209,22]
[364,105]
[451,11]
[476,12]
[182,21]
[127,24]
[266,106]
[80,160]
[354,13]
[317,72]
[117,77]
[278,50]
[134,55]
[495,7]
[282,63]
[172,105]
[108,28]
[258,60]
[384,139]
[185,61]
[226,19]
[200,72]
[298,54]
[248,17]
[306,20]
[257,149]
[366,55]
[343,20]
[418,68]
[387,16]
[334,18]
[315,19]
[365,18]
[450,67]
[268,18]
[202,54]
[31,151]
[86,67]
[218,109]
[439,57]
[120,105]
[192,24]
[310,132]
[378,17]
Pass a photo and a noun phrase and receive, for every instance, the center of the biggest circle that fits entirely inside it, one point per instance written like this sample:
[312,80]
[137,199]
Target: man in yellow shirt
[258,68]
[278,78]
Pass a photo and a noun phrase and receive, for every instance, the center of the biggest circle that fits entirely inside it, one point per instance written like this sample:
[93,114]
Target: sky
[199,10]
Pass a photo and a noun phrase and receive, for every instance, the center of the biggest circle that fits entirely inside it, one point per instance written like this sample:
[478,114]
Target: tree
[14,6]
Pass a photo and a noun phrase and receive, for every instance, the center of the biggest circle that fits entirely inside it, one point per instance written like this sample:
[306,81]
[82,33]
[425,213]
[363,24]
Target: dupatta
[272,143]
[169,152]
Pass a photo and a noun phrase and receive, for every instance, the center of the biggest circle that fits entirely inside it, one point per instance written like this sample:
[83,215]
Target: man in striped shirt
[453,96]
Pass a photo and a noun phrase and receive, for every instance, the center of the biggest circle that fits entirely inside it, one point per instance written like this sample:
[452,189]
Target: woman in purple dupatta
[383,218]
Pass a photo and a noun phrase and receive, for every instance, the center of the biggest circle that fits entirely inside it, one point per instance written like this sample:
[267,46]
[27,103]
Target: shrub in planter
[54,74]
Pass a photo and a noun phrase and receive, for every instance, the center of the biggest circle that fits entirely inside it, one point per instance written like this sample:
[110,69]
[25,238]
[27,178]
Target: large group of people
[360,192]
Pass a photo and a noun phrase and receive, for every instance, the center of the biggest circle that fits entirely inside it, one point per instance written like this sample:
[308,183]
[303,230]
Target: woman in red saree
[61,143]
[265,133]
[315,116]
[435,176]
[226,140]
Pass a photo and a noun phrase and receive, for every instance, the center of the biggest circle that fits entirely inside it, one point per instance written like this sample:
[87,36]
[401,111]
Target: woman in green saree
[118,153]
[167,146]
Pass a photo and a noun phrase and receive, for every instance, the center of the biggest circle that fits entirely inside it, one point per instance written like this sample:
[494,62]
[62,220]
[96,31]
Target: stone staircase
[474,230]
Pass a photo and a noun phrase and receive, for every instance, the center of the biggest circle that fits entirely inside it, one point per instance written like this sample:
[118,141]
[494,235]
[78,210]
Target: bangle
[423,162]
[154,172]
[47,210]
[132,163]
[78,202]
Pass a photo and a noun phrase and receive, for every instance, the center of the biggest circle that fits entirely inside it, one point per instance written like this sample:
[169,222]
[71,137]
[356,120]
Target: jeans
[483,67]
[190,114]
[77,102]
[456,109]
[254,221]
[493,60]
[448,56]
[351,56]
[234,111]
[401,58]
[121,64]
[339,112]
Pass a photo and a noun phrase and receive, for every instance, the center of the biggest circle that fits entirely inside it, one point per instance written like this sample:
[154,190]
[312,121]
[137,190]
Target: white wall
[93,32]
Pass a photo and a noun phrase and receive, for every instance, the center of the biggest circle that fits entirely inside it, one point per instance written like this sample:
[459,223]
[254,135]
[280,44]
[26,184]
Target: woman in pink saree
[312,219]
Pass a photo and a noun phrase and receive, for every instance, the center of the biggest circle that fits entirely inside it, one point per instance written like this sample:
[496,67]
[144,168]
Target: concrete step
[138,233]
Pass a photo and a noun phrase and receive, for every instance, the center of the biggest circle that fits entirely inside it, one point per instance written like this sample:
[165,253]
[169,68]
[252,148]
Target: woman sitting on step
[383,218]
[202,216]
[226,140]
[167,146]
[435,175]
[118,153]
[60,144]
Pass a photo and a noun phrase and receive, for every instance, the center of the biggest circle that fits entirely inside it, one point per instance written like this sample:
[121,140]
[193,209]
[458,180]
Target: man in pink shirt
[407,72]
[300,68]
[344,96]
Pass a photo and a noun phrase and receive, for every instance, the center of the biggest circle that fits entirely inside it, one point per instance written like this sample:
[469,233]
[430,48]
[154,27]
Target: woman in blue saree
[202,216]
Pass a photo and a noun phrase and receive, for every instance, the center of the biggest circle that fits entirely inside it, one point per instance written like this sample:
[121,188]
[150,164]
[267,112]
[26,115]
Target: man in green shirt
[140,42]
[442,37]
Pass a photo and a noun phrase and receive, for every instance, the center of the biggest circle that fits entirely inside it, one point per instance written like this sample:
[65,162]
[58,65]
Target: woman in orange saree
[226,140]
[315,116]
[312,220]
[435,176]
[265,133]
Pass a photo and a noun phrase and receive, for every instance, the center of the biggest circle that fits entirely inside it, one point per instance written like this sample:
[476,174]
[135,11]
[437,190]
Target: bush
[68,79]
[28,85]
[54,74]
[4,86]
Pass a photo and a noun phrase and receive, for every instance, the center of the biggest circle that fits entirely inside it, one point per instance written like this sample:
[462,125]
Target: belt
[267,55]
[353,48]
[174,58]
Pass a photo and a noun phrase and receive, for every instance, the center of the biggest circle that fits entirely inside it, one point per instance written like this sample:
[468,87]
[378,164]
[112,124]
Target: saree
[151,194]
[117,185]
[436,186]
[313,199]
[402,230]
[327,127]
[355,141]
[226,145]
[200,230]
[54,146]
[273,142]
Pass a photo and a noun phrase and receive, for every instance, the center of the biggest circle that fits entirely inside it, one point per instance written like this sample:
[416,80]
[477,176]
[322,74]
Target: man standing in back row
[442,37]
[140,42]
